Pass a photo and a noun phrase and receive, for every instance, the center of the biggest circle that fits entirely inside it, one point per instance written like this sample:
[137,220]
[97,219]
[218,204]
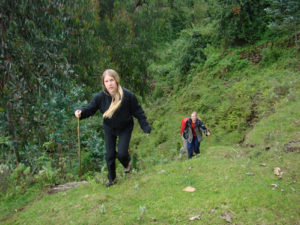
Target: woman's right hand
[78,113]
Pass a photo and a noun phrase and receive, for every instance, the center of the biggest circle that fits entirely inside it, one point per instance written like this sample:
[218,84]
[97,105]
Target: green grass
[156,196]
[16,202]
[280,127]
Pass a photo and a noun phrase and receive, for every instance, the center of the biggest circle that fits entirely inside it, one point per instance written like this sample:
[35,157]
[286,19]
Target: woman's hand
[208,133]
[78,113]
[147,134]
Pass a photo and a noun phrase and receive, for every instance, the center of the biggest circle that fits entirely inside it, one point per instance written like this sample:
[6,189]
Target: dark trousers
[110,137]
[193,147]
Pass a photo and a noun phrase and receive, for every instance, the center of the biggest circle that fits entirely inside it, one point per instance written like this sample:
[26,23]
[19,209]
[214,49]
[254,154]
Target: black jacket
[122,118]
[199,128]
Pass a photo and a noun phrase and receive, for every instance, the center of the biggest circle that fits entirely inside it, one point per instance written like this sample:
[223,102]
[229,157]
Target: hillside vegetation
[231,94]
[233,175]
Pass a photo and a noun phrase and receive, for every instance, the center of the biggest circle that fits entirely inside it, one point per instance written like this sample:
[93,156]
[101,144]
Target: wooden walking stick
[79,150]
[208,136]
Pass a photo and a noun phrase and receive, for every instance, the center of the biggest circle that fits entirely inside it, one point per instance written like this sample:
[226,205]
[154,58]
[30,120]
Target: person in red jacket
[192,133]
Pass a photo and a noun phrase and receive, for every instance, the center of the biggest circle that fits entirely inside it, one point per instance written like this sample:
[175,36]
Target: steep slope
[233,184]
[231,93]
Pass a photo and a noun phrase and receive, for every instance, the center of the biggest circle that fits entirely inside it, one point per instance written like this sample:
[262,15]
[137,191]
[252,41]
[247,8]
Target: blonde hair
[117,99]
[196,115]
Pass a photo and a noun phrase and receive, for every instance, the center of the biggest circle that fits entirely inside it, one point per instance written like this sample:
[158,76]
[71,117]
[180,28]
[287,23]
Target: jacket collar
[189,122]
[106,92]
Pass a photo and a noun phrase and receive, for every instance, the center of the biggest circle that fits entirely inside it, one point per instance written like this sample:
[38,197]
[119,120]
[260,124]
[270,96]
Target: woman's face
[194,117]
[110,84]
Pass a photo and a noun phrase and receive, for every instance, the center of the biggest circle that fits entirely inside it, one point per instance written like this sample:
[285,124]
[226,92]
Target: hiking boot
[128,168]
[111,183]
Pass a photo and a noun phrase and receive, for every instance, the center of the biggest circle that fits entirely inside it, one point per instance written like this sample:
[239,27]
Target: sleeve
[91,108]
[182,126]
[202,127]
[138,112]
[185,130]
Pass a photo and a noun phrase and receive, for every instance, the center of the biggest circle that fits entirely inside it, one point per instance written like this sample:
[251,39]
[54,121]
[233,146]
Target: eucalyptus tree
[47,48]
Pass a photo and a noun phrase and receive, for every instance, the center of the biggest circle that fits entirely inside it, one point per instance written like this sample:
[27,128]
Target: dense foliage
[243,21]
[43,44]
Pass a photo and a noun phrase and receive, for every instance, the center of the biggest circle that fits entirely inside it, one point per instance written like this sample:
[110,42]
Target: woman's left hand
[208,133]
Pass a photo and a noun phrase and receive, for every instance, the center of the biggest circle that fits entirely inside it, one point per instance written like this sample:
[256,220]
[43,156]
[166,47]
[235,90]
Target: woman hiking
[193,134]
[118,106]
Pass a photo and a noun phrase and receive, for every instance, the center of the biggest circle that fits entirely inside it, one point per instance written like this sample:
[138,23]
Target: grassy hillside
[232,91]
[252,110]
[230,182]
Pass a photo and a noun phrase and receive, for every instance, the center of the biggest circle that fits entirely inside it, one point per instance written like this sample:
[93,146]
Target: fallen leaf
[189,189]
[212,211]
[227,217]
[162,171]
[297,121]
[277,172]
[274,186]
[249,174]
[263,164]
[293,189]
[195,218]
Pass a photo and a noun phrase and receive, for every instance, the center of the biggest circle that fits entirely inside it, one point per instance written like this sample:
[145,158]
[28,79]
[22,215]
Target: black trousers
[110,136]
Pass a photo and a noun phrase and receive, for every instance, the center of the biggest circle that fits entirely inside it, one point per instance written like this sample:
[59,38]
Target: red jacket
[183,122]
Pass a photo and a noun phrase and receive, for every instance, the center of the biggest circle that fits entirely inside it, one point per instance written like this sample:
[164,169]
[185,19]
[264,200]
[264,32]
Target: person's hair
[194,113]
[198,117]
[117,99]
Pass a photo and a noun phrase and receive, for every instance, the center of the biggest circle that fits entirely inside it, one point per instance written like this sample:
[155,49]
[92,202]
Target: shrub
[48,175]
[161,138]
[158,92]
[270,56]
[4,178]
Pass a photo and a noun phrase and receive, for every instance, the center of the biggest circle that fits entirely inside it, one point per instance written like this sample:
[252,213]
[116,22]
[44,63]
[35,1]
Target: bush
[4,178]
[161,138]
[177,62]
[92,144]
[270,56]
[158,92]
[48,175]
[242,22]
